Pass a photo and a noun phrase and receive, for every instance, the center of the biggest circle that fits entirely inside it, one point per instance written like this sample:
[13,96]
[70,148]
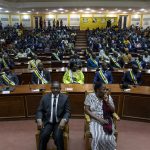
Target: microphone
[30,86]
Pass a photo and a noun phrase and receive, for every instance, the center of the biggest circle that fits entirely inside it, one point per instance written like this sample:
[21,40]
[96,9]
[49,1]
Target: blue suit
[107,74]
[142,63]
[128,80]
[91,64]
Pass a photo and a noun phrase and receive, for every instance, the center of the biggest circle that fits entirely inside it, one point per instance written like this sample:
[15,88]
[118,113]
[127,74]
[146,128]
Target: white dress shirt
[52,111]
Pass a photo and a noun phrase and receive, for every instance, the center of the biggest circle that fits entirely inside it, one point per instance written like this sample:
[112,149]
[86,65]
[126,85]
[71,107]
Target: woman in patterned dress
[100,107]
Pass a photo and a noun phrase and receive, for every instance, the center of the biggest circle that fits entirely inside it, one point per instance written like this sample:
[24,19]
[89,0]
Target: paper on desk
[5,92]
[35,90]
[68,89]
[127,90]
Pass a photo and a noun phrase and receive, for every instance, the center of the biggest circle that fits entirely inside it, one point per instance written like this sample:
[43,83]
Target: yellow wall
[95,22]
[86,20]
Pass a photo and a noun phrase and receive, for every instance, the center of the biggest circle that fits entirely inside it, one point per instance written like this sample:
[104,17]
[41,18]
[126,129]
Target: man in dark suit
[103,75]
[133,77]
[40,76]
[52,116]
[8,78]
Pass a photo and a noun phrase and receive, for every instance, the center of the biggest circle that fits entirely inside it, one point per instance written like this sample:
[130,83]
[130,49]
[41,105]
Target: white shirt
[146,59]
[52,102]
[41,75]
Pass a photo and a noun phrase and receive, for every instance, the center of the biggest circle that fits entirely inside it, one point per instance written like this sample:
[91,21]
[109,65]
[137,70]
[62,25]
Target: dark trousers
[57,135]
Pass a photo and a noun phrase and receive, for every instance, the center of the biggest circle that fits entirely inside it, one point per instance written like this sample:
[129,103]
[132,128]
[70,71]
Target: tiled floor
[20,135]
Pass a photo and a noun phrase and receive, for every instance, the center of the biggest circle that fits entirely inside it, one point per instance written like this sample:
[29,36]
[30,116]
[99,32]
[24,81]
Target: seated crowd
[109,49]
[114,49]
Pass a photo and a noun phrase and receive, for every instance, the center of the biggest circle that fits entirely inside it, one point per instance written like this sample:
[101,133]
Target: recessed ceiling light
[99,12]
[88,9]
[62,12]
[66,10]
[118,10]
[142,9]
[81,10]
[1,8]
[54,11]
[24,13]
[112,12]
[6,11]
[92,10]
[87,12]
[102,8]
[124,12]
[73,12]
[130,9]
[29,11]
[60,9]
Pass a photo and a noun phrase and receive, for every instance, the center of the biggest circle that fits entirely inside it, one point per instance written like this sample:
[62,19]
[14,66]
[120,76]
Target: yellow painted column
[141,20]
[129,20]
[69,20]
[10,19]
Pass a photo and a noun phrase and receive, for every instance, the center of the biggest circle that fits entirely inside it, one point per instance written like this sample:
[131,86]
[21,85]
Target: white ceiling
[45,6]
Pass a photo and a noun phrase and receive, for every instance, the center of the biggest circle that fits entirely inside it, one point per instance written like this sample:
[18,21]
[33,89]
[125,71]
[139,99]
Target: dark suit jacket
[44,110]
[13,77]
[128,80]
[46,74]
[107,74]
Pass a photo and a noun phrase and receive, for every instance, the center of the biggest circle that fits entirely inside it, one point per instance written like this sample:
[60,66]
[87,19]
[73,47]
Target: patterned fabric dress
[100,140]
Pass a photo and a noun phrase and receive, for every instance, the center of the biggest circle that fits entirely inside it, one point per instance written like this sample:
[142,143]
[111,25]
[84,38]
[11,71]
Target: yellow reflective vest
[73,77]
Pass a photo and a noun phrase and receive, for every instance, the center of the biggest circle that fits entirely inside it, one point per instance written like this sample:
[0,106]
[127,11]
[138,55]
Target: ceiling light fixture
[88,9]
[60,9]
[142,9]
[112,12]
[130,9]
[125,12]
[102,8]
[93,11]
[118,10]
[54,11]
[62,12]
[81,10]
[6,11]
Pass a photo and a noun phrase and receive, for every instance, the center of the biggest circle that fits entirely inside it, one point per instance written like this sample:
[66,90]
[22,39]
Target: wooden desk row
[48,64]
[57,74]
[22,103]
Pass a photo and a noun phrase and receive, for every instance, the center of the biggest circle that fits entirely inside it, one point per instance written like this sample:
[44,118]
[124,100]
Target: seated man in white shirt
[52,120]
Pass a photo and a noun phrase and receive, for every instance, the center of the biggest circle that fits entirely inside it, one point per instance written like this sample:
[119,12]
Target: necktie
[54,109]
